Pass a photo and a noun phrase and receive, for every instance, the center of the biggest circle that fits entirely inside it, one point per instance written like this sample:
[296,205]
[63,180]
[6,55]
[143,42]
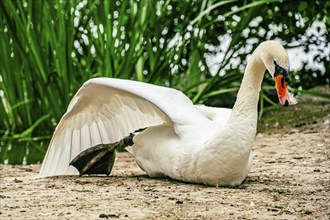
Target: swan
[162,129]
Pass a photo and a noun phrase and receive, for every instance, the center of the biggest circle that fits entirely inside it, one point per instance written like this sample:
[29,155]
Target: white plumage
[183,141]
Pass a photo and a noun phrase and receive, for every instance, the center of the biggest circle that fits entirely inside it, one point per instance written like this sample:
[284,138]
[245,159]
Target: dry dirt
[290,179]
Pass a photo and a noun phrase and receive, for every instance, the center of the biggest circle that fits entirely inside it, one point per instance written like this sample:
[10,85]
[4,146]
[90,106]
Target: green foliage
[49,48]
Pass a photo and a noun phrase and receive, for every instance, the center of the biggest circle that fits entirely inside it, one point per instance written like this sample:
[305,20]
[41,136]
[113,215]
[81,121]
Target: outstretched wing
[105,110]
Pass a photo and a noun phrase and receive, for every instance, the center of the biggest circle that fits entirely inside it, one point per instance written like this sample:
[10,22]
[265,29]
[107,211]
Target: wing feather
[85,140]
[103,133]
[95,134]
[75,142]
[65,153]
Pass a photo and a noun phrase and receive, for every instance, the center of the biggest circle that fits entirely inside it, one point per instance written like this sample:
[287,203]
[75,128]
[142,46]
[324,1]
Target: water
[22,152]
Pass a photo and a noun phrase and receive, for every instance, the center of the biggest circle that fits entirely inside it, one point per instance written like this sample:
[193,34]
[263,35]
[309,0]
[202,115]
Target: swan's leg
[100,158]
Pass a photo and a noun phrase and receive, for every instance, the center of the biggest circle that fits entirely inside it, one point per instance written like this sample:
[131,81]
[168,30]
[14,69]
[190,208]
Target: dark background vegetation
[49,48]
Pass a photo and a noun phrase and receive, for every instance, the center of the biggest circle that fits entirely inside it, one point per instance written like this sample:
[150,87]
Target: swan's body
[183,141]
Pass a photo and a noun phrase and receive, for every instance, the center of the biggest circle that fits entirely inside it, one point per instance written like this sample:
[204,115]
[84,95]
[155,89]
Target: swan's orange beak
[282,90]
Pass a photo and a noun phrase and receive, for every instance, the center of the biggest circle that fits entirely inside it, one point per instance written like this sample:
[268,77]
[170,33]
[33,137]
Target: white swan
[183,141]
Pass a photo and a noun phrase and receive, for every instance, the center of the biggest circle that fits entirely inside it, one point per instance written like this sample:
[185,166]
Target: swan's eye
[281,71]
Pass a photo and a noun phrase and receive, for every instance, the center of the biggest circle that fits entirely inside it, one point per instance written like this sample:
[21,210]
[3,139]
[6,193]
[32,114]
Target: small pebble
[111,215]
[308,212]
[147,189]
[103,216]
[17,180]
[298,158]
[272,209]
[179,202]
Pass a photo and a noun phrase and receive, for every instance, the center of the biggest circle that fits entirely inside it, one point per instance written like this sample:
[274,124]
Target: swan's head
[276,61]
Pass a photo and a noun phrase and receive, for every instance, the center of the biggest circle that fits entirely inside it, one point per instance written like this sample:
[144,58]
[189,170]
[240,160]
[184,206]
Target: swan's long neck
[237,137]
[245,111]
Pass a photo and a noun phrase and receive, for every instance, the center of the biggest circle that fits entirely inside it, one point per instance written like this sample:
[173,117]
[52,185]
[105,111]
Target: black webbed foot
[96,160]
[99,159]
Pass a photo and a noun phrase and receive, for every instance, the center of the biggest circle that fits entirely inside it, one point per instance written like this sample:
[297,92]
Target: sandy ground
[290,179]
